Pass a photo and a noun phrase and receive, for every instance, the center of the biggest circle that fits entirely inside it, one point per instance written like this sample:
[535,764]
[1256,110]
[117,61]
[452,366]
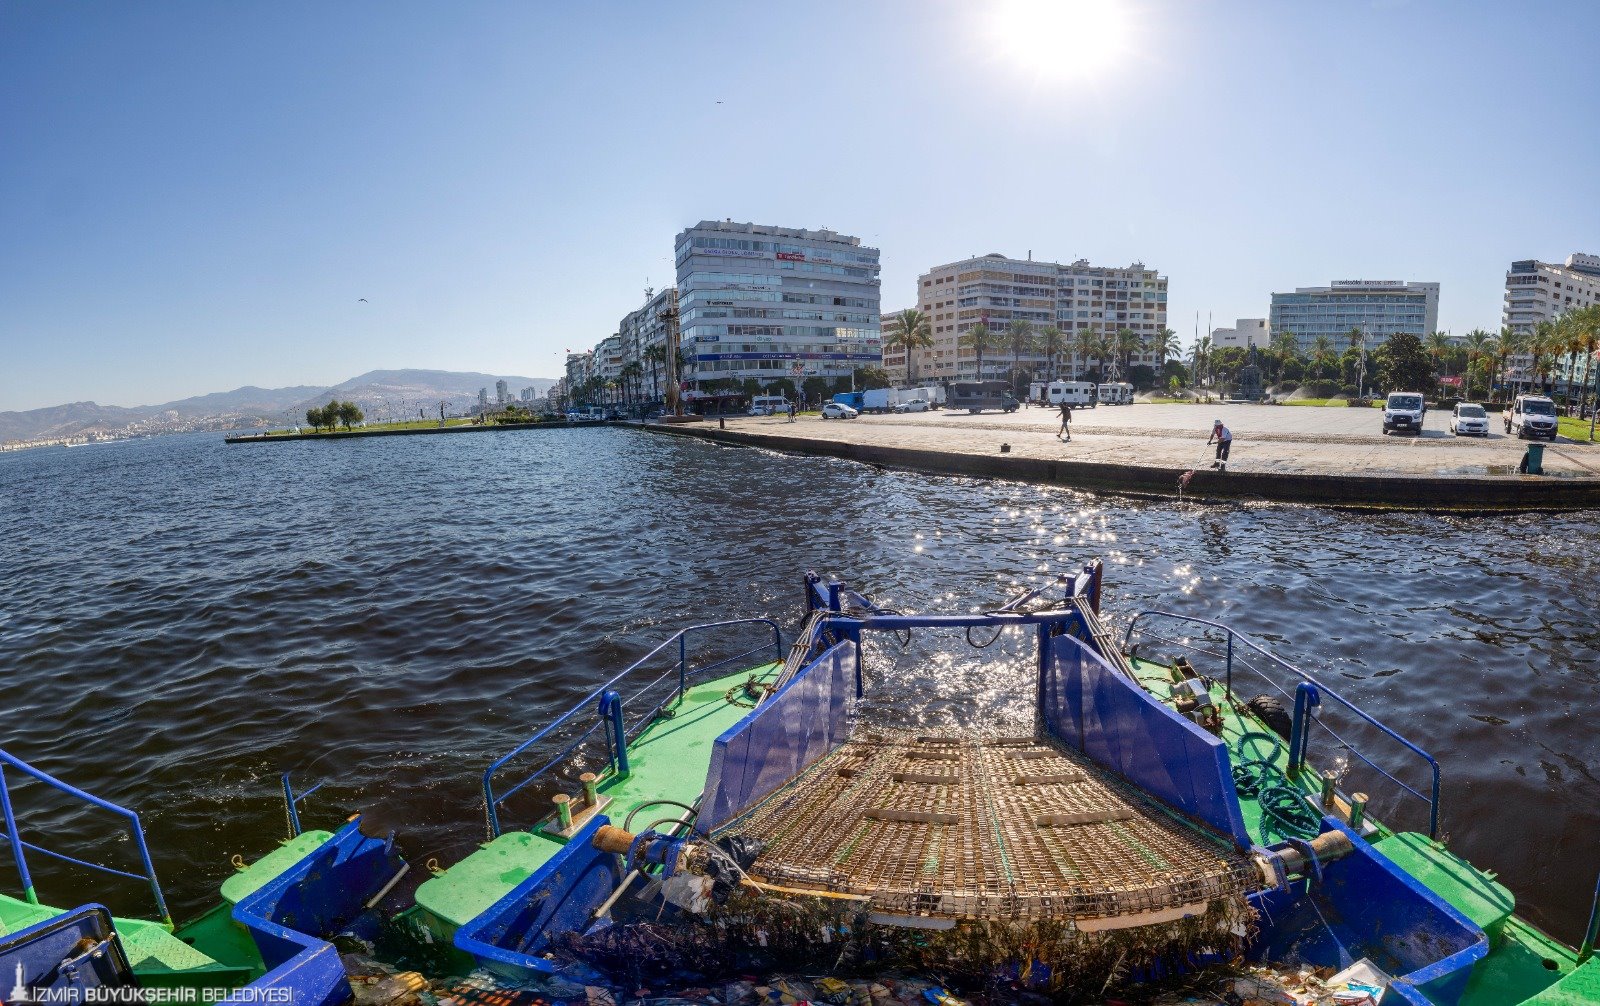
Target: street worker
[1223,438]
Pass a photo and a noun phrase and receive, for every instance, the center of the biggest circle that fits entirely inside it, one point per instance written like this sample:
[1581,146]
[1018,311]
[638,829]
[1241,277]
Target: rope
[1285,811]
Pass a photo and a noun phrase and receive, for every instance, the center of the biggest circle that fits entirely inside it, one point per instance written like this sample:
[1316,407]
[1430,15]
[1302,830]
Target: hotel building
[1379,308]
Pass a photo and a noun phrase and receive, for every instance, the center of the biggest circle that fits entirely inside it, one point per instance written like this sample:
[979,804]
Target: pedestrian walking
[1223,438]
[1066,422]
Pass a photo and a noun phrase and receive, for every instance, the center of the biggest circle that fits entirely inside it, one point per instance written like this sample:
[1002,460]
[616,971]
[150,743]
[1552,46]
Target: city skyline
[200,198]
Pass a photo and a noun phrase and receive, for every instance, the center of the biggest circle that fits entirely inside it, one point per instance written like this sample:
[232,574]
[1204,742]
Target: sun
[1061,39]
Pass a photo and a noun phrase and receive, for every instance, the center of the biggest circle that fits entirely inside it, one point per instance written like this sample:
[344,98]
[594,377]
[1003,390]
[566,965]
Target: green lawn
[1577,429]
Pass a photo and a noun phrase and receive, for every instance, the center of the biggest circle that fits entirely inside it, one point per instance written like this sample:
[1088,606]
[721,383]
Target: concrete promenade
[1309,454]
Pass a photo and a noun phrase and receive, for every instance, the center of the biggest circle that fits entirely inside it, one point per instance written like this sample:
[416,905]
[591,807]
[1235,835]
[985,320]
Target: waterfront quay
[1307,454]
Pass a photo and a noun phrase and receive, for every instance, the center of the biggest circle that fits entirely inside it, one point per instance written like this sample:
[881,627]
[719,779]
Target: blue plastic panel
[317,896]
[1092,708]
[780,738]
[35,955]
[560,896]
[1365,906]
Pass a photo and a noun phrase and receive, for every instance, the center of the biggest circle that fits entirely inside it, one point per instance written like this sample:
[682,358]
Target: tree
[1090,344]
[816,388]
[1227,361]
[314,417]
[1050,342]
[1167,346]
[1404,364]
[1478,344]
[1019,337]
[1322,357]
[350,413]
[1142,376]
[1200,358]
[1438,347]
[908,331]
[869,378]
[1125,345]
[656,356]
[980,340]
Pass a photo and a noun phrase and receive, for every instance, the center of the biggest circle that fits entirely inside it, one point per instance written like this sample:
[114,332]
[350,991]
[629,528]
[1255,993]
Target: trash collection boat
[1185,801]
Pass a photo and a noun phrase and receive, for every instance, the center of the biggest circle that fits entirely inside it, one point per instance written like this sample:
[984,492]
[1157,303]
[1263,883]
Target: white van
[1071,393]
[768,405]
[1116,393]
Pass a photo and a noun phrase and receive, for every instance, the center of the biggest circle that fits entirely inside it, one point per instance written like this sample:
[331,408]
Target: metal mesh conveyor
[994,829]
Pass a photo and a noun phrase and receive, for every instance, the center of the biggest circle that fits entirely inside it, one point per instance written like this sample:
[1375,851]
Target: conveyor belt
[1010,829]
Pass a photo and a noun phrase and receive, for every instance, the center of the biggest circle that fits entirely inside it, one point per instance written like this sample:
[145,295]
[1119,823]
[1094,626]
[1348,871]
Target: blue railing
[20,847]
[291,803]
[606,704]
[1591,934]
[1305,703]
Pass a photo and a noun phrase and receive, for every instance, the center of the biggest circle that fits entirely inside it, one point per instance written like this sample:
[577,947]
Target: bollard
[591,796]
[1358,810]
[563,810]
[1328,780]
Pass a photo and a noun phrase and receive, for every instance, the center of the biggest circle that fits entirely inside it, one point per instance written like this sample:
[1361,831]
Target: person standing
[1223,437]
[792,411]
[1066,422]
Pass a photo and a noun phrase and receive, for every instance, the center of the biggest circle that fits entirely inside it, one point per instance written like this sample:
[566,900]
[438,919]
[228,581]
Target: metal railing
[606,703]
[20,847]
[1305,703]
[291,803]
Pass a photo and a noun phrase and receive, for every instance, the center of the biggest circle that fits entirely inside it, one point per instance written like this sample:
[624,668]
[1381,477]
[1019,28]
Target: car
[1531,416]
[1403,412]
[838,410]
[1469,420]
[914,405]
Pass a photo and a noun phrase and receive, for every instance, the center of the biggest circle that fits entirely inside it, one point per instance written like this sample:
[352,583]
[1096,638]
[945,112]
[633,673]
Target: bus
[975,396]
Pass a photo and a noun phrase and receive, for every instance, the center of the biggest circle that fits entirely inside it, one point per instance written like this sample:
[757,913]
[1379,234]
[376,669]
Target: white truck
[1077,393]
[879,400]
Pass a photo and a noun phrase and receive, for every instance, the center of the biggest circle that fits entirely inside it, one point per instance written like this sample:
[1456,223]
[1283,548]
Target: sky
[196,196]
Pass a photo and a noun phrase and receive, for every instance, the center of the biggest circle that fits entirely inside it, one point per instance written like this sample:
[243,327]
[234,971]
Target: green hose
[1285,811]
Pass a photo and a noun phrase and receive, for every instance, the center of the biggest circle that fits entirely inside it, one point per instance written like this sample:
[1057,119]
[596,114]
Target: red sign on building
[792,256]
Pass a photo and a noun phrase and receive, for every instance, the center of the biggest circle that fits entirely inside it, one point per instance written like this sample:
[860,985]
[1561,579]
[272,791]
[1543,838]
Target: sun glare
[1061,39]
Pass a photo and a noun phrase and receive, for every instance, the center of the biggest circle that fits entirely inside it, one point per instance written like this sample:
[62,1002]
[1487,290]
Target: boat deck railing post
[1591,936]
[17,852]
[1306,698]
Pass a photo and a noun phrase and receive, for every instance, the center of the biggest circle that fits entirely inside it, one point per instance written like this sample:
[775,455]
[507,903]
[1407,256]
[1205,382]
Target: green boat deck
[1524,965]
[667,761]
[211,952]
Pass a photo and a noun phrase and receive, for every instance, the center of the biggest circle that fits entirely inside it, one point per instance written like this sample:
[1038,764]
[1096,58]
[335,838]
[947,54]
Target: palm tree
[1127,343]
[632,374]
[1202,359]
[656,356]
[980,339]
[1438,345]
[1019,338]
[1582,328]
[1090,344]
[1286,347]
[1322,355]
[1169,347]
[1478,342]
[1051,341]
[908,331]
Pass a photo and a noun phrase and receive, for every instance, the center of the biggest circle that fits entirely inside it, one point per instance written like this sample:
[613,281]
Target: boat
[1186,801]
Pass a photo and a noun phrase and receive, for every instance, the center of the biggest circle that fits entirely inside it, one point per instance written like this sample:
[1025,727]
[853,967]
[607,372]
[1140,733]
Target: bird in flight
[363,300]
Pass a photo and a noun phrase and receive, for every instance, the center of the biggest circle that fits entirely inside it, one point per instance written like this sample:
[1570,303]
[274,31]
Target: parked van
[1076,393]
[1116,393]
[1531,416]
[975,396]
[768,405]
[1403,412]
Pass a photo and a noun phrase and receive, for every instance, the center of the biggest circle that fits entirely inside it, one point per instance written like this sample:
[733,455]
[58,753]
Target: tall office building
[1076,298]
[763,302]
[502,392]
[1378,308]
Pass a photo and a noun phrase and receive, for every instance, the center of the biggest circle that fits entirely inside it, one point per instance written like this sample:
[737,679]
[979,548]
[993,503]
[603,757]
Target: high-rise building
[768,302]
[1245,333]
[483,399]
[502,392]
[1078,299]
[1375,307]
[1544,291]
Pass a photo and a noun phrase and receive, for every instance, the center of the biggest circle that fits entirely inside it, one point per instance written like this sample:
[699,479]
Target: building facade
[894,358]
[1543,291]
[1378,308]
[643,331]
[1245,334]
[1078,299]
[766,302]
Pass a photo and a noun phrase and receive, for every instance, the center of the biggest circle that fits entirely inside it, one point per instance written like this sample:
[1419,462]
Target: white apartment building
[995,290]
[1543,291]
[645,328]
[1245,333]
[894,358]
[766,302]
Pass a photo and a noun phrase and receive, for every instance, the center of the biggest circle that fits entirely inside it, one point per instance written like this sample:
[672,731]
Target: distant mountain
[378,392]
[386,394]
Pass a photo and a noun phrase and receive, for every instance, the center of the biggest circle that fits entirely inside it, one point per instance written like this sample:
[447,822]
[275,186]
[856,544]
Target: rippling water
[183,619]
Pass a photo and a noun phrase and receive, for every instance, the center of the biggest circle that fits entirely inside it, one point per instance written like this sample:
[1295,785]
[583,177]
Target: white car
[1469,420]
[838,410]
[914,405]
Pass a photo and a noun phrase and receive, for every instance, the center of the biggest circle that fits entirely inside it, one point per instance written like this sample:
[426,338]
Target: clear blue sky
[193,196]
